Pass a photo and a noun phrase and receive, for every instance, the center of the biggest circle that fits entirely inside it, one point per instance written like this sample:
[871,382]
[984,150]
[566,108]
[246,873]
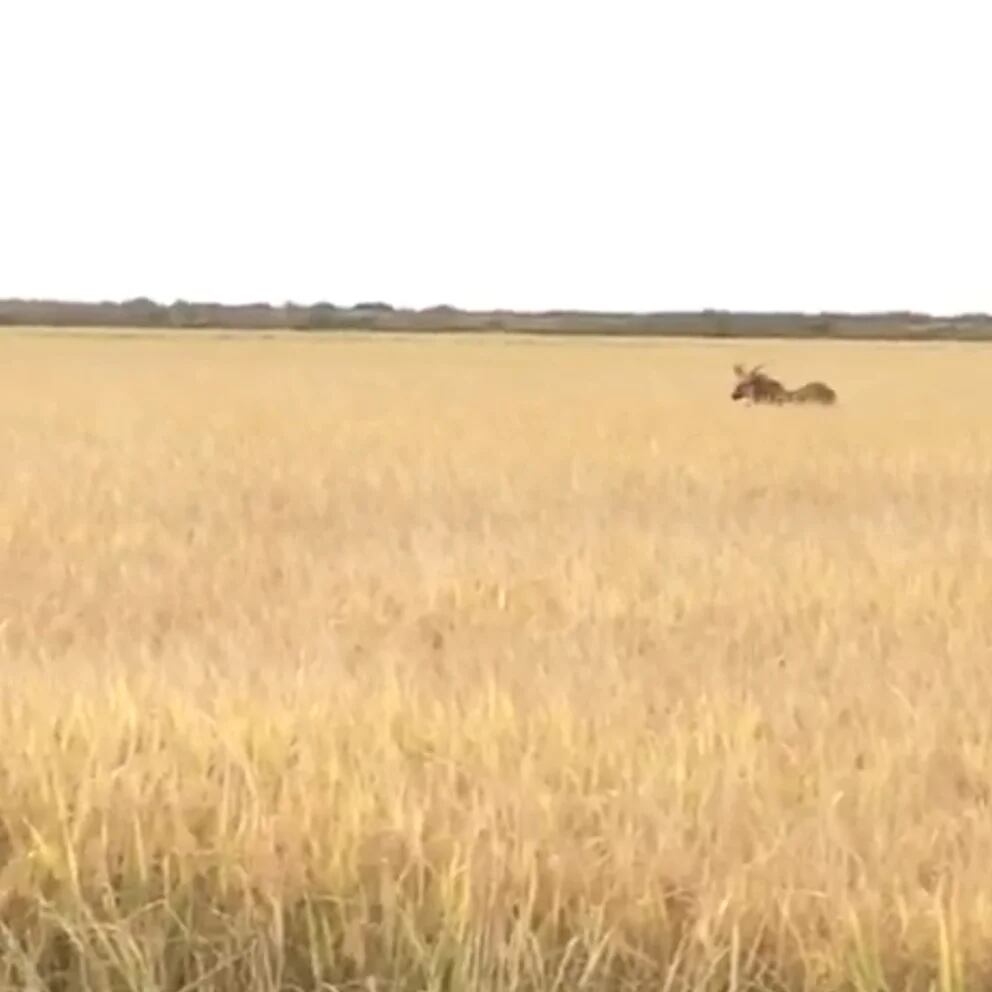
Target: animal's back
[814,392]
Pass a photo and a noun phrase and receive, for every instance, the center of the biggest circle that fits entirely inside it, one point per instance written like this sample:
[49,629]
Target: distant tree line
[146,313]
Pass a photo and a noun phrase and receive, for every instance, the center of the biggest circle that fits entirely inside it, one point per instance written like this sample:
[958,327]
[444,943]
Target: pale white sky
[758,154]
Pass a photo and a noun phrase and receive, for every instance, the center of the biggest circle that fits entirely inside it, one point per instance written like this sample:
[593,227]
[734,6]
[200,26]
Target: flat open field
[492,664]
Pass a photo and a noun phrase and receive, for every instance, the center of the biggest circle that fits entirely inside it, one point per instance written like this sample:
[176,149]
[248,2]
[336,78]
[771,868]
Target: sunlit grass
[493,664]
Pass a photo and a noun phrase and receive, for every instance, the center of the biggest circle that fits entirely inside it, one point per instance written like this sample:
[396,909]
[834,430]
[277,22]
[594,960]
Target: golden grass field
[492,664]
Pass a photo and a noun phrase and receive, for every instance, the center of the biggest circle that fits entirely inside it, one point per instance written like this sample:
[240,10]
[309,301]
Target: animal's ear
[739,370]
[756,369]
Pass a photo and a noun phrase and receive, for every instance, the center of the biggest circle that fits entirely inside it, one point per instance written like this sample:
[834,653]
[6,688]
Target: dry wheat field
[413,663]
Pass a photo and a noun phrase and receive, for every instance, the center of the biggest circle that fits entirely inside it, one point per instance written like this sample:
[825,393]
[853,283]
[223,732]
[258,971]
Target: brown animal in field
[758,387]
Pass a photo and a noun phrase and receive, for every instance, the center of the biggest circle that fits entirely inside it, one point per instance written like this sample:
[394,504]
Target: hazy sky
[755,154]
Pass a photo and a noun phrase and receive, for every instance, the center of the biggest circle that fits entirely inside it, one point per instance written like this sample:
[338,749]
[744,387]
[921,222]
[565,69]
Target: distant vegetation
[382,317]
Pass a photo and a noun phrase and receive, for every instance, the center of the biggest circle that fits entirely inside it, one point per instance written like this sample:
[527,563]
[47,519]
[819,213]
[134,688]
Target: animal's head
[754,385]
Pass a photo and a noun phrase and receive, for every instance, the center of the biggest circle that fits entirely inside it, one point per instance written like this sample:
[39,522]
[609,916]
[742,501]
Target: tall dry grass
[489,664]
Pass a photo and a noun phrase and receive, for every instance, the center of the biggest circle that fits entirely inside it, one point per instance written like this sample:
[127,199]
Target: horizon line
[385,306]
